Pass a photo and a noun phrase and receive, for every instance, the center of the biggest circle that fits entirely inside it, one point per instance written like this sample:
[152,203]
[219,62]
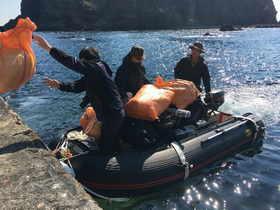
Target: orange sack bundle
[185,91]
[90,124]
[149,102]
[17,60]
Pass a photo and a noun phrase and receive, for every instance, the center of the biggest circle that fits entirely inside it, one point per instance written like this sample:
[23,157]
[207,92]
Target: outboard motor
[219,98]
[217,101]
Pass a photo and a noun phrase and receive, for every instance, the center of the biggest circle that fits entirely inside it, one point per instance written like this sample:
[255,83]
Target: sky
[10,9]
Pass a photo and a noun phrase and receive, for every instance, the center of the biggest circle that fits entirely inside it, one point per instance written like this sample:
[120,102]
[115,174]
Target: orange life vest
[90,124]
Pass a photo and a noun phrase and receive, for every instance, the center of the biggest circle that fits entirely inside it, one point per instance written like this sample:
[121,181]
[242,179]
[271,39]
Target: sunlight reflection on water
[245,64]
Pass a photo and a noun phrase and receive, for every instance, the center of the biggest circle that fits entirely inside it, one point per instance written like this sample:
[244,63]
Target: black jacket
[100,89]
[130,77]
[185,70]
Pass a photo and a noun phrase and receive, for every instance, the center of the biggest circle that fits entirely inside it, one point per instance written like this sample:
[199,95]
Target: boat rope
[62,146]
[104,197]
[76,135]
[60,140]
[90,125]
[62,150]
[68,167]
[182,158]
[73,135]
[72,156]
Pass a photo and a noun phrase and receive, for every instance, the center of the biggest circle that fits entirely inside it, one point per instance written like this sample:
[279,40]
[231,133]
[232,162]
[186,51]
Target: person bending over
[101,91]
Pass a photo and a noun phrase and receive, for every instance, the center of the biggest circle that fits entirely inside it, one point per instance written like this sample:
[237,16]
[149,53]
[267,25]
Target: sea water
[245,64]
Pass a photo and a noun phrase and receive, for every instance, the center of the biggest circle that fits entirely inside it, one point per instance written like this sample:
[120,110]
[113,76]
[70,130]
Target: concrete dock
[30,176]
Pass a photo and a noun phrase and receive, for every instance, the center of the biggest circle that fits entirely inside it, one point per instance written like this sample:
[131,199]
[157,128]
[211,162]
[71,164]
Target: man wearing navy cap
[131,75]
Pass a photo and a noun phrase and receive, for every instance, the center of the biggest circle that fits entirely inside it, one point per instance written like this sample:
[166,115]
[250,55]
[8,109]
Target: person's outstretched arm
[51,83]
[80,66]
[42,43]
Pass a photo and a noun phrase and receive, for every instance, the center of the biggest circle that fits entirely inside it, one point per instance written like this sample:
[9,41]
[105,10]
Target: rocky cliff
[70,15]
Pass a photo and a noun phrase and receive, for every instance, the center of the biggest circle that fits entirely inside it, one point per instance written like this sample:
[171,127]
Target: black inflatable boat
[148,169]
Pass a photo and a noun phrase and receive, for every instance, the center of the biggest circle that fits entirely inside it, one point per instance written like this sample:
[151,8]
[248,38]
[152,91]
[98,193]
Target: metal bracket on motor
[182,158]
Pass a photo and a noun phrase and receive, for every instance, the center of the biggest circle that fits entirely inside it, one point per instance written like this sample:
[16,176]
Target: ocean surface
[245,64]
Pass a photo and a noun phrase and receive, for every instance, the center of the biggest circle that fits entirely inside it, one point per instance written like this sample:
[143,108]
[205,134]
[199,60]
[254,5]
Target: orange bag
[185,91]
[90,124]
[148,103]
[17,60]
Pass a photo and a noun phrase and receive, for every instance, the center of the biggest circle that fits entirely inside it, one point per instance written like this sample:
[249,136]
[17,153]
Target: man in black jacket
[131,75]
[193,68]
[101,91]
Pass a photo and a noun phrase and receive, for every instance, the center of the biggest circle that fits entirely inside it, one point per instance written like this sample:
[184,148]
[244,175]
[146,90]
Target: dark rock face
[71,15]
[31,176]
[2,29]
[227,27]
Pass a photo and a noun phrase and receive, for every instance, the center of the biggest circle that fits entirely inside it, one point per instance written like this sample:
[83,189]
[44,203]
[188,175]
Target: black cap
[89,53]
[138,52]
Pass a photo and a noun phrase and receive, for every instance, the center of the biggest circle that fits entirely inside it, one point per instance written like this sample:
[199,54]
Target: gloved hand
[124,100]
[129,95]
[209,95]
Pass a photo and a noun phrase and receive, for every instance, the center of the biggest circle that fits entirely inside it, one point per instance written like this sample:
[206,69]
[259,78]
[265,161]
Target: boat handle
[224,131]
[182,158]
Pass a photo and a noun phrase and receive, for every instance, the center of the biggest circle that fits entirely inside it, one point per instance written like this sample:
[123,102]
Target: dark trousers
[110,130]
[197,112]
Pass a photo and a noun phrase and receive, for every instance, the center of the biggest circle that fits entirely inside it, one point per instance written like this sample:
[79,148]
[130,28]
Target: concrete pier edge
[30,175]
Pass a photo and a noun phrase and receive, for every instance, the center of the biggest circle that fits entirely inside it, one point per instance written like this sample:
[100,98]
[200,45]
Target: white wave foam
[261,101]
